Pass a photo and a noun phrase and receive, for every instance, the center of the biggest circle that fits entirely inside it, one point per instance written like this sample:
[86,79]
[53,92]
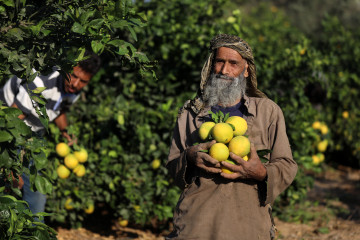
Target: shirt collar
[247,102]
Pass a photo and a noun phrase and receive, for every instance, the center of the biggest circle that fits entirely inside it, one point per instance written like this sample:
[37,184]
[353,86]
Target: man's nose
[225,69]
[75,82]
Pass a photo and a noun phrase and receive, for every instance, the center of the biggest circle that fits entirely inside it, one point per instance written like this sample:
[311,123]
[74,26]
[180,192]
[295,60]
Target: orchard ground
[332,212]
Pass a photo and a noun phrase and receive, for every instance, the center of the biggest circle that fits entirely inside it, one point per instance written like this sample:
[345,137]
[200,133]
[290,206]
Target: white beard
[224,90]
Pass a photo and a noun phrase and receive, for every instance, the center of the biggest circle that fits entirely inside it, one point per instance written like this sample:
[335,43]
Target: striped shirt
[57,100]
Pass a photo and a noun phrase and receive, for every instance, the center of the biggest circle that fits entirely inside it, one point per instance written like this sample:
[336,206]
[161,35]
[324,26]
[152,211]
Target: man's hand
[71,139]
[253,168]
[202,159]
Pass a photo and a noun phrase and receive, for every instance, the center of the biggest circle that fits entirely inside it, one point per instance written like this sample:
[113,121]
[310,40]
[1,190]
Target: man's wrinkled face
[227,85]
[229,62]
[78,80]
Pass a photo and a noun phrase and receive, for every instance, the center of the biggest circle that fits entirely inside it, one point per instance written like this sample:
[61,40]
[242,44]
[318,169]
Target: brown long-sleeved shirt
[212,207]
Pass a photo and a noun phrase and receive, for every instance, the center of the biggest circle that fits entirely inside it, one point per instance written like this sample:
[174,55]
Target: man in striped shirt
[60,94]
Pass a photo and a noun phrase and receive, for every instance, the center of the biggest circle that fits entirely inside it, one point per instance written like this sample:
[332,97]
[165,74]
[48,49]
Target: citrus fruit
[205,130]
[322,145]
[81,155]
[68,204]
[123,222]
[324,129]
[315,159]
[316,125]
[71,161]
[224,169]
[240,145]
[121,119]
[246,158]
[63,172]
[79,170]
[62,149]
[89,209]
[222,132]
[239,123]
[219,151]
[155,164]
[345,114]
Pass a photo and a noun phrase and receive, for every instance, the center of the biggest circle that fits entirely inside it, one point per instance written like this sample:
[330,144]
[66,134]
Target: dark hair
[91,64]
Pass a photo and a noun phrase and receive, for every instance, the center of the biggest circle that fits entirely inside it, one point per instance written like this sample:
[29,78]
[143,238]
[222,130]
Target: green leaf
[38,89]
[96,23]
[35,29]
[38,99]
[122,50]
[42,184]
[205,151]
[132,32]
[85,16]
[80,54]
[15,34]
[226,117]
[78,28]
[5,160]
[9,3]
[12,112]
[263,152]
[97,46]
[119,24]
[116,42]
[5,136]
[40,159]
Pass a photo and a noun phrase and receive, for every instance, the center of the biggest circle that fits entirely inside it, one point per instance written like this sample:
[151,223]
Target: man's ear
[246,73]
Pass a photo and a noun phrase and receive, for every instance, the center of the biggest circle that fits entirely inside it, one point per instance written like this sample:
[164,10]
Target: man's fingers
[208,159]
[234,175]
[252,150]
[207,145]
[237,158]
[212,170]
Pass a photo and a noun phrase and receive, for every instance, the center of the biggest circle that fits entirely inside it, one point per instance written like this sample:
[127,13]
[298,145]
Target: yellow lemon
[123,222]
[222,132]
[69,204]
[205,130]
[71,161]
[79,170]
[155,163]
[239,123]
[324,129]
[316,125]
[224,169]
[240,145]
[62,149]
[246,158]
[315,159]
[89,209]
[63,172]
[219,151]
[322,145]
[345,114]
[81,155]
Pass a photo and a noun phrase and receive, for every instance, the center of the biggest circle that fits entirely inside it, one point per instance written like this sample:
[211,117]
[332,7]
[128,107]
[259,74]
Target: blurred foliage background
[307,58]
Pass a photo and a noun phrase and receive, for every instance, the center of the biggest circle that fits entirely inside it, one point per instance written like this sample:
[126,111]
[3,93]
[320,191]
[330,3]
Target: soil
[333,214]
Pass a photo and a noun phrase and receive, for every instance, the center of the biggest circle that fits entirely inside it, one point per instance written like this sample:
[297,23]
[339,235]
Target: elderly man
[217,205]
